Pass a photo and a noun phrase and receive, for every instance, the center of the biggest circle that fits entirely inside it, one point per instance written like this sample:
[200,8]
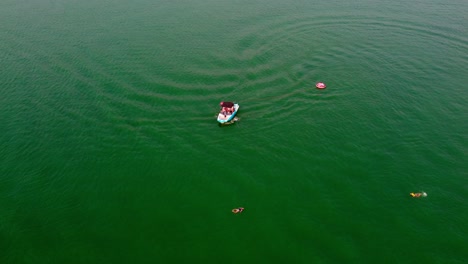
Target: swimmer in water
[238,210]
[417,195]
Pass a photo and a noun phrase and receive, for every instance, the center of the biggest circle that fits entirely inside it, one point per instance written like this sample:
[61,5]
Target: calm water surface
[110,151]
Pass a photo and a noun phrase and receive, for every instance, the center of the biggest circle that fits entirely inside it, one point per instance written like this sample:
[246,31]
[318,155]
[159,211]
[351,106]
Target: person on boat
[227,108]
[225,111]
[238,210]
[416,195]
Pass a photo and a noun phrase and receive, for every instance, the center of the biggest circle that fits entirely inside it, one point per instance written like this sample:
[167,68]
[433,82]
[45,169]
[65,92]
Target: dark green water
[110,151]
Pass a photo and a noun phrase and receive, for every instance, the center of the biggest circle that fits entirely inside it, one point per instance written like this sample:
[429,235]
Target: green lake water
[110,151]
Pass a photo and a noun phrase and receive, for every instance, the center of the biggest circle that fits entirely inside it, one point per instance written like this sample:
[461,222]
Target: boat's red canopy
[226,104]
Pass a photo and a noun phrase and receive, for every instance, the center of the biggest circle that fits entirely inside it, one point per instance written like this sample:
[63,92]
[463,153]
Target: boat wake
[235,119]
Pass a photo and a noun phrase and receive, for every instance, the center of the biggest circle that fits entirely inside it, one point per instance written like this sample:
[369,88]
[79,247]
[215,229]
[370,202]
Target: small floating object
[321,85]
[238,210]
[417,195]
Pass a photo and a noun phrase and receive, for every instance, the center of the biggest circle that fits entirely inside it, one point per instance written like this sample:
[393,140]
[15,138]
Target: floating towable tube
[320,85]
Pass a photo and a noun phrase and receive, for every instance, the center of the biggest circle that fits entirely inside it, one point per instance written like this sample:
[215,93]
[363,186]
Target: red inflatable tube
[320,85]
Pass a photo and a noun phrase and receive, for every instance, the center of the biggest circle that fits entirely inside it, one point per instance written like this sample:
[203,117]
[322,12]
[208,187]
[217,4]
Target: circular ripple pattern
[108,110]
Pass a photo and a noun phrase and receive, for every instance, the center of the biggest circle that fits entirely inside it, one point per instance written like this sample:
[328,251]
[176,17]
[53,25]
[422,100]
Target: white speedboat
[228,112]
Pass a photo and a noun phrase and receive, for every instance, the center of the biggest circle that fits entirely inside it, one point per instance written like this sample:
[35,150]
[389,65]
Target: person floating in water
[418,195]
[238,210]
